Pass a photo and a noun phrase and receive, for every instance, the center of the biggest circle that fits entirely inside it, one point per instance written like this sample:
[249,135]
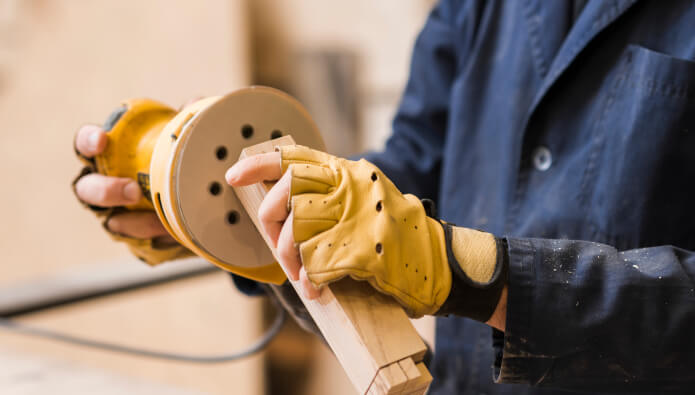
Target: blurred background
[63,64]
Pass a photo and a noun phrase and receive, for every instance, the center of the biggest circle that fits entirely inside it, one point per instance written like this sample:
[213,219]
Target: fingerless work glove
[349,219]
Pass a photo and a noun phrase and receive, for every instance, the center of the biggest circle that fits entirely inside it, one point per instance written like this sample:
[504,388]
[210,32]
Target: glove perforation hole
[378,205]
[374,176]
[330,245]
[425,278]
[378,248]
[215,188]
[415,227]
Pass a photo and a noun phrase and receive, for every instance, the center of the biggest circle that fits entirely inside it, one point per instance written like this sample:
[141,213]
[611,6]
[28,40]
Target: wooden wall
[64,63]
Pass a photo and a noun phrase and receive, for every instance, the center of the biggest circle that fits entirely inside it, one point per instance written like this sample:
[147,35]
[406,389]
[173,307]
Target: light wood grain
[367,331]
[27,374]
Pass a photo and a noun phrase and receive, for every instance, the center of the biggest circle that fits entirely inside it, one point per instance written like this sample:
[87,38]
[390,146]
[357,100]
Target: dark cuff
[469,298]
[515,360]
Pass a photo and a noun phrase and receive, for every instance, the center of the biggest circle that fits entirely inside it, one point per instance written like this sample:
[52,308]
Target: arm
[582,315]
[413,152]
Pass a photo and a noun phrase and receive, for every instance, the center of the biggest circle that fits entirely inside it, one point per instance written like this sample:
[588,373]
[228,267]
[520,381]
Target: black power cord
[258,345]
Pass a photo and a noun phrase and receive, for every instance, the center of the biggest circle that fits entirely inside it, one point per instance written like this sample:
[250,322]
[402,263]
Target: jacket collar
[596,16]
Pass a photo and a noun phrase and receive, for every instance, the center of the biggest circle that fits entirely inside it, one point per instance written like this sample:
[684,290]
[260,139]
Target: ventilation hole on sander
[215,188]
[221,153]
[276,134]
[232,217]
[247,131]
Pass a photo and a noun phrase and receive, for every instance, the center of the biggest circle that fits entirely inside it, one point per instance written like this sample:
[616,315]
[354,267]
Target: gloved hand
[105,196]
[348,219]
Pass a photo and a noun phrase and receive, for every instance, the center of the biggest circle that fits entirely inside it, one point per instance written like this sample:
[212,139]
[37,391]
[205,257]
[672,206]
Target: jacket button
[542,158]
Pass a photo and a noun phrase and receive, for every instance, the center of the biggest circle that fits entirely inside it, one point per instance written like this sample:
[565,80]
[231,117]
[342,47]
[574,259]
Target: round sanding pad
[208,214]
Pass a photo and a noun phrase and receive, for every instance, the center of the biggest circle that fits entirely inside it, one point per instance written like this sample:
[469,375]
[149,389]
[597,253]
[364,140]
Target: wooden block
[402,377]
[366,330]
[418,382]
[390,380]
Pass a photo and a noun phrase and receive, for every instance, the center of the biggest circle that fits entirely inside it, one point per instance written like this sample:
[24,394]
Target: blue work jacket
[575,140]
[572,135]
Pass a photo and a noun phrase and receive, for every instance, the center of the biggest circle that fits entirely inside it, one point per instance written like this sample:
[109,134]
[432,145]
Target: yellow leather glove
[349,219]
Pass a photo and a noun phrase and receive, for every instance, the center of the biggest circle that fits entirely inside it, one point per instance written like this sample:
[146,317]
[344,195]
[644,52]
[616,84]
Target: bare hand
[273,213]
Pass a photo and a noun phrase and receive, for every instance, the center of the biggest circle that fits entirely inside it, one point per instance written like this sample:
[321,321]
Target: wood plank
[419,378]
[402,377]
[390,380]
[365,329]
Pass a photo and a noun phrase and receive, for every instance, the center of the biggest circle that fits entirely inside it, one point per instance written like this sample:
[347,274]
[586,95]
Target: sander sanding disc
[211,142]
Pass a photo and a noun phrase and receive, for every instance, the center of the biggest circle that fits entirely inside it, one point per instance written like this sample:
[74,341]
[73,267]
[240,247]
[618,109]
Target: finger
[309,289]
[90,140]
[314,213]
[273,210]
[261,167]
[288,253]
[100,190]
[298,154]
[141,225]
[309,178]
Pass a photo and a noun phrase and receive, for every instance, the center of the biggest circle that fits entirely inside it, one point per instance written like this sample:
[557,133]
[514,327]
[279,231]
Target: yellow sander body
[179,160]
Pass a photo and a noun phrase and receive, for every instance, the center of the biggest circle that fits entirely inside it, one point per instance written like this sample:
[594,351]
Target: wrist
[498,320]
[478,273]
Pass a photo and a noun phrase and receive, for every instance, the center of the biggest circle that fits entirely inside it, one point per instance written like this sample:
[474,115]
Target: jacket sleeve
[412,156]
[584,316]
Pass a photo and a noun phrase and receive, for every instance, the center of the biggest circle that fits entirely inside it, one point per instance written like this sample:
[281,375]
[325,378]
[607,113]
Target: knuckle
[154,227]
[115,224]
[285,251]
[256,161]
[264,212]
[111,190]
